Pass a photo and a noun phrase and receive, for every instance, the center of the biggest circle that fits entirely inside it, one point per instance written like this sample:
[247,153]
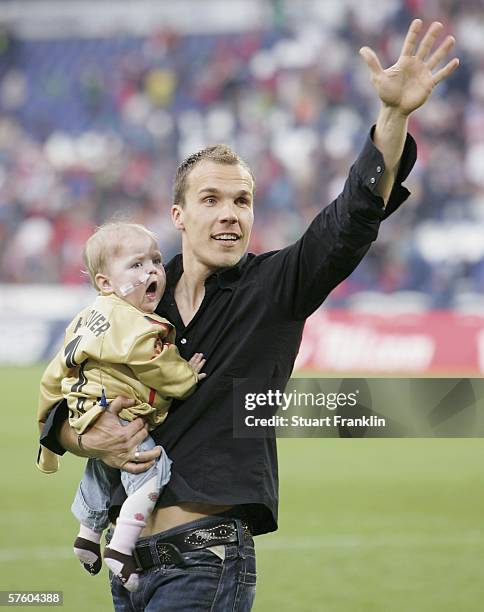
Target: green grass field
[365,525]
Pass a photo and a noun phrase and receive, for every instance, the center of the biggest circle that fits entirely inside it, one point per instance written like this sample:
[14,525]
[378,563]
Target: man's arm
[297,279]
[402,89]
[107,440]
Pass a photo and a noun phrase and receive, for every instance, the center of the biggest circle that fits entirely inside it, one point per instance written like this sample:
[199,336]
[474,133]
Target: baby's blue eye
[137,264]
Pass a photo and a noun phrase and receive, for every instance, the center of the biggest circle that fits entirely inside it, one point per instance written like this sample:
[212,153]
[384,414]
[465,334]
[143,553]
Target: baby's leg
[87,549]
[143,490]
[132,519]
[90,507]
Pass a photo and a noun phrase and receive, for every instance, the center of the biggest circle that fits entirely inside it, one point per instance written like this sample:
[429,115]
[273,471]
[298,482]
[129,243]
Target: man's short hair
[219,153]
[107,243]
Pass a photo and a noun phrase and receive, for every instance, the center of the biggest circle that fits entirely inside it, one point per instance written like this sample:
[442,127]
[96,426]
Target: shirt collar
[226,277]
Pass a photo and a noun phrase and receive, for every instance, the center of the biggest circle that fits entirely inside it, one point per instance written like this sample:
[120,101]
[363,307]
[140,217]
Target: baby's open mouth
[151,289]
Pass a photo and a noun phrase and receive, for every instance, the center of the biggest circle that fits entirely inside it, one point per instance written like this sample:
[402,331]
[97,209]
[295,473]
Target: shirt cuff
[370,167]
[55,419]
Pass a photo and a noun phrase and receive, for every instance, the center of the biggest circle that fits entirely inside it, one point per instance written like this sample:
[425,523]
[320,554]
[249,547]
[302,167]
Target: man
[246,314]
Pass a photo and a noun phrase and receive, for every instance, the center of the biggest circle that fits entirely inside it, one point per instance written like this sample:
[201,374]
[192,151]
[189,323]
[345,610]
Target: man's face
[217,216]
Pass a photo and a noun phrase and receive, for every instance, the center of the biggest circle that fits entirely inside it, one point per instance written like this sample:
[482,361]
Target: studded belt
[169,550]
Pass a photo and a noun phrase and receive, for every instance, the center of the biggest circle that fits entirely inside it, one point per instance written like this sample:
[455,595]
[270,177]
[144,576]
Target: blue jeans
[99,481]
[203,583]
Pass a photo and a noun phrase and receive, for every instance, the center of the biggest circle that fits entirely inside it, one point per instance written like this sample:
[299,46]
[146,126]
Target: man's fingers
[137,431]
[119,403]
[445,71]
[371,60]
[149,455]
[411,38]
[144,460]
[441,52]
[428,40]
[154,453]
[137,468]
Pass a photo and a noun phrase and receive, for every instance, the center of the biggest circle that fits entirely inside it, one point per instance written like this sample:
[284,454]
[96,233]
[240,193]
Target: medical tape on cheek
[130,287]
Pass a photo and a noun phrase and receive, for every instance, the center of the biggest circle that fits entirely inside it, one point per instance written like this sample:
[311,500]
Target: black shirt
[250,325]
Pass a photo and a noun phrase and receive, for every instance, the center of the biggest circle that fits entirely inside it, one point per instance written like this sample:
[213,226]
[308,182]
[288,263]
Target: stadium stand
[91,126]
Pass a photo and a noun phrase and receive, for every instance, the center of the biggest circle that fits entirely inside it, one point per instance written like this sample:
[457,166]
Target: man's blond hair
[219,153]
[107,243]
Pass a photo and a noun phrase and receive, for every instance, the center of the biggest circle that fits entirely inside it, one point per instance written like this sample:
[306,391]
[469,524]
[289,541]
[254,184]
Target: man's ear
[103,283]
[177,216]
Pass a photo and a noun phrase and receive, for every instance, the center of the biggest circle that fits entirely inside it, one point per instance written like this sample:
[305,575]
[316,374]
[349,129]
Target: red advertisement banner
[439,342]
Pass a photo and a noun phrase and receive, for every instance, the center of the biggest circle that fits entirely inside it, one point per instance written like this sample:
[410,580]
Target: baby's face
[136,274]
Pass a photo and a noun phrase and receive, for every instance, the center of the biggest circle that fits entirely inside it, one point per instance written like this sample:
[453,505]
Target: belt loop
[240,536]
[154,550]
[139,567]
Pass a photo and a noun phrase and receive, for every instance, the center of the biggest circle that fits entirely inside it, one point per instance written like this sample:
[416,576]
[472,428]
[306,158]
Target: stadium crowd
[95,127]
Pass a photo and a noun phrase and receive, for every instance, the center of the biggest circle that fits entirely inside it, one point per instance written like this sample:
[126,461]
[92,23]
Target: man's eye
[242,202]
[210,201]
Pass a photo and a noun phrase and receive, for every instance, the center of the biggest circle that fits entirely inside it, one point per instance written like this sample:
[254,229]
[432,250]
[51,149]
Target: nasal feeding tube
[130,287]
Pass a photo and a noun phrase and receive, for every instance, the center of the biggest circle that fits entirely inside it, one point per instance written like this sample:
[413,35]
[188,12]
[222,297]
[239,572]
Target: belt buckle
[168,554]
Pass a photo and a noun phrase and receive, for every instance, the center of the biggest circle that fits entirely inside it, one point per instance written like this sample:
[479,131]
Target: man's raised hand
[406,85]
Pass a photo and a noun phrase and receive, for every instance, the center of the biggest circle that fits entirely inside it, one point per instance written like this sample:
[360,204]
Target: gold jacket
[113,345]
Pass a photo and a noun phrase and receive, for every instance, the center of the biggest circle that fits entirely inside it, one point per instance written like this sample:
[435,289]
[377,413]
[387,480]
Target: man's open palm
[407,84]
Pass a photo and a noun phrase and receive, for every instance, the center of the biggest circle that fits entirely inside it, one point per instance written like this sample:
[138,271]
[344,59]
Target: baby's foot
[122,566]
[89,554]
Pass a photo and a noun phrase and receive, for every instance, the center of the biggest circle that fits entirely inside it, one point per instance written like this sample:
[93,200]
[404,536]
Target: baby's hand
[197,362]
[158,346]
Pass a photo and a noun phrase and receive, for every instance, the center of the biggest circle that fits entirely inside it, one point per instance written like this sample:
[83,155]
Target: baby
[118,346]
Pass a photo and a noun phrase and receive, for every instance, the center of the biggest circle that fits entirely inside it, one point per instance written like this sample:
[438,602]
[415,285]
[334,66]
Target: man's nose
[228,212]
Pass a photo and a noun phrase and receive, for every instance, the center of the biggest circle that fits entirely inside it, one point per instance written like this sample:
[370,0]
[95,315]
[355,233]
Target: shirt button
[373,180]
[183,341]
[378,169]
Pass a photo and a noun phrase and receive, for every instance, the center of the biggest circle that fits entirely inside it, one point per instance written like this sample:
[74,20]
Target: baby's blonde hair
[106,243]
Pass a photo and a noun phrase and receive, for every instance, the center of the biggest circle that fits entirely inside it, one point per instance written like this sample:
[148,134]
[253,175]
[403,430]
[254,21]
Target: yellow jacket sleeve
[166,372]
[51,386]
[50,394]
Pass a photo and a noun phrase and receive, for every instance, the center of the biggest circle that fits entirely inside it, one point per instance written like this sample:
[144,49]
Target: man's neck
[190,289]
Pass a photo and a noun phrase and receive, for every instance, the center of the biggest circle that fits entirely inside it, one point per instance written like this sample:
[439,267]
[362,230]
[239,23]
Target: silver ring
[136,456]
